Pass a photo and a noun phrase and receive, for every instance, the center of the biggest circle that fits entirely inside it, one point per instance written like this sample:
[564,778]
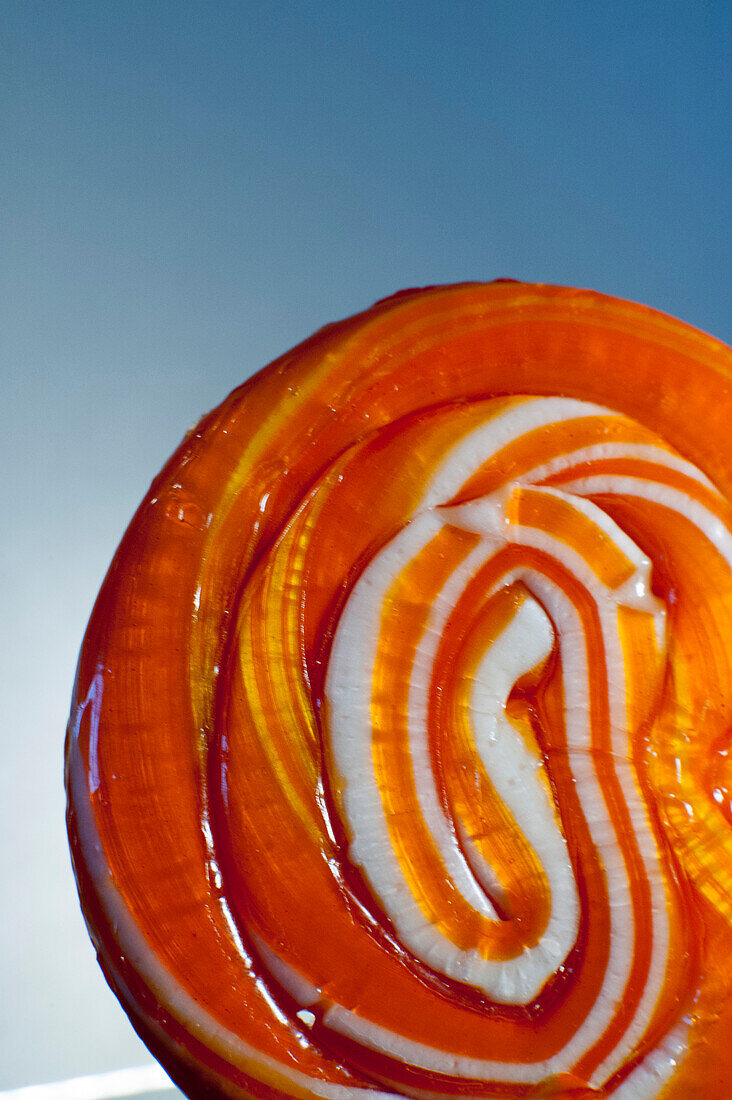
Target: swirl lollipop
[398,762]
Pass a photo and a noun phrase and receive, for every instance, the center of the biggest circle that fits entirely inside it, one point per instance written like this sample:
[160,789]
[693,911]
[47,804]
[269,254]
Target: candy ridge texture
[400,753]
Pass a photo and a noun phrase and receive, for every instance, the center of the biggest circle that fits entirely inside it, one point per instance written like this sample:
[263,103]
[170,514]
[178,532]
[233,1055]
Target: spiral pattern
[399,755]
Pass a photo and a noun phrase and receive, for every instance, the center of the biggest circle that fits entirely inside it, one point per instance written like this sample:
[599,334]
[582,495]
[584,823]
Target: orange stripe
[647,471]
[696,584]
[562,520]
[540,445]
[273,675]
[407,609]
[525,900]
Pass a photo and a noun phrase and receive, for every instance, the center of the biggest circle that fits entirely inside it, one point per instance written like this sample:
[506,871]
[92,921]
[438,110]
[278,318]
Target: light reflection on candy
[398,758]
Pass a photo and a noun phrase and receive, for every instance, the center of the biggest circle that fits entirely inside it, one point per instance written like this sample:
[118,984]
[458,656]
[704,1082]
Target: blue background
[189,189]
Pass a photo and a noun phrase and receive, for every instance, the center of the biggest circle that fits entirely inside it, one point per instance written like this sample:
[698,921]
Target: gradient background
[189,189]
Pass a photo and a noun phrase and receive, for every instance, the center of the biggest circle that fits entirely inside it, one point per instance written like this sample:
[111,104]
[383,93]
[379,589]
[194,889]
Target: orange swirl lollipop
[399,757]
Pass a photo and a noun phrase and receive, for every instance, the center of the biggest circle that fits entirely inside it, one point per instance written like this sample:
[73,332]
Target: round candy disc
[399,759]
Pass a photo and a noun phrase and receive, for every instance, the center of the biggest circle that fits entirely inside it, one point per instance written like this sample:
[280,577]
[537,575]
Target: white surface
[148,1082]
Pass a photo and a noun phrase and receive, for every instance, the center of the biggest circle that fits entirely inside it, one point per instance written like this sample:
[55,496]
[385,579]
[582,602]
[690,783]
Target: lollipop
[399,756]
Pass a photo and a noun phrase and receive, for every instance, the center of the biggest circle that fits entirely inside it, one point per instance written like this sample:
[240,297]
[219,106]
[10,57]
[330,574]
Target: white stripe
[574,660]
[711,526]
[485,442]
[349,722]
[488,517]
[597,452]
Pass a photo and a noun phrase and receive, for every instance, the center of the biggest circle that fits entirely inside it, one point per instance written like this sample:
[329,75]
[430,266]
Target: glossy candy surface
[400,753]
